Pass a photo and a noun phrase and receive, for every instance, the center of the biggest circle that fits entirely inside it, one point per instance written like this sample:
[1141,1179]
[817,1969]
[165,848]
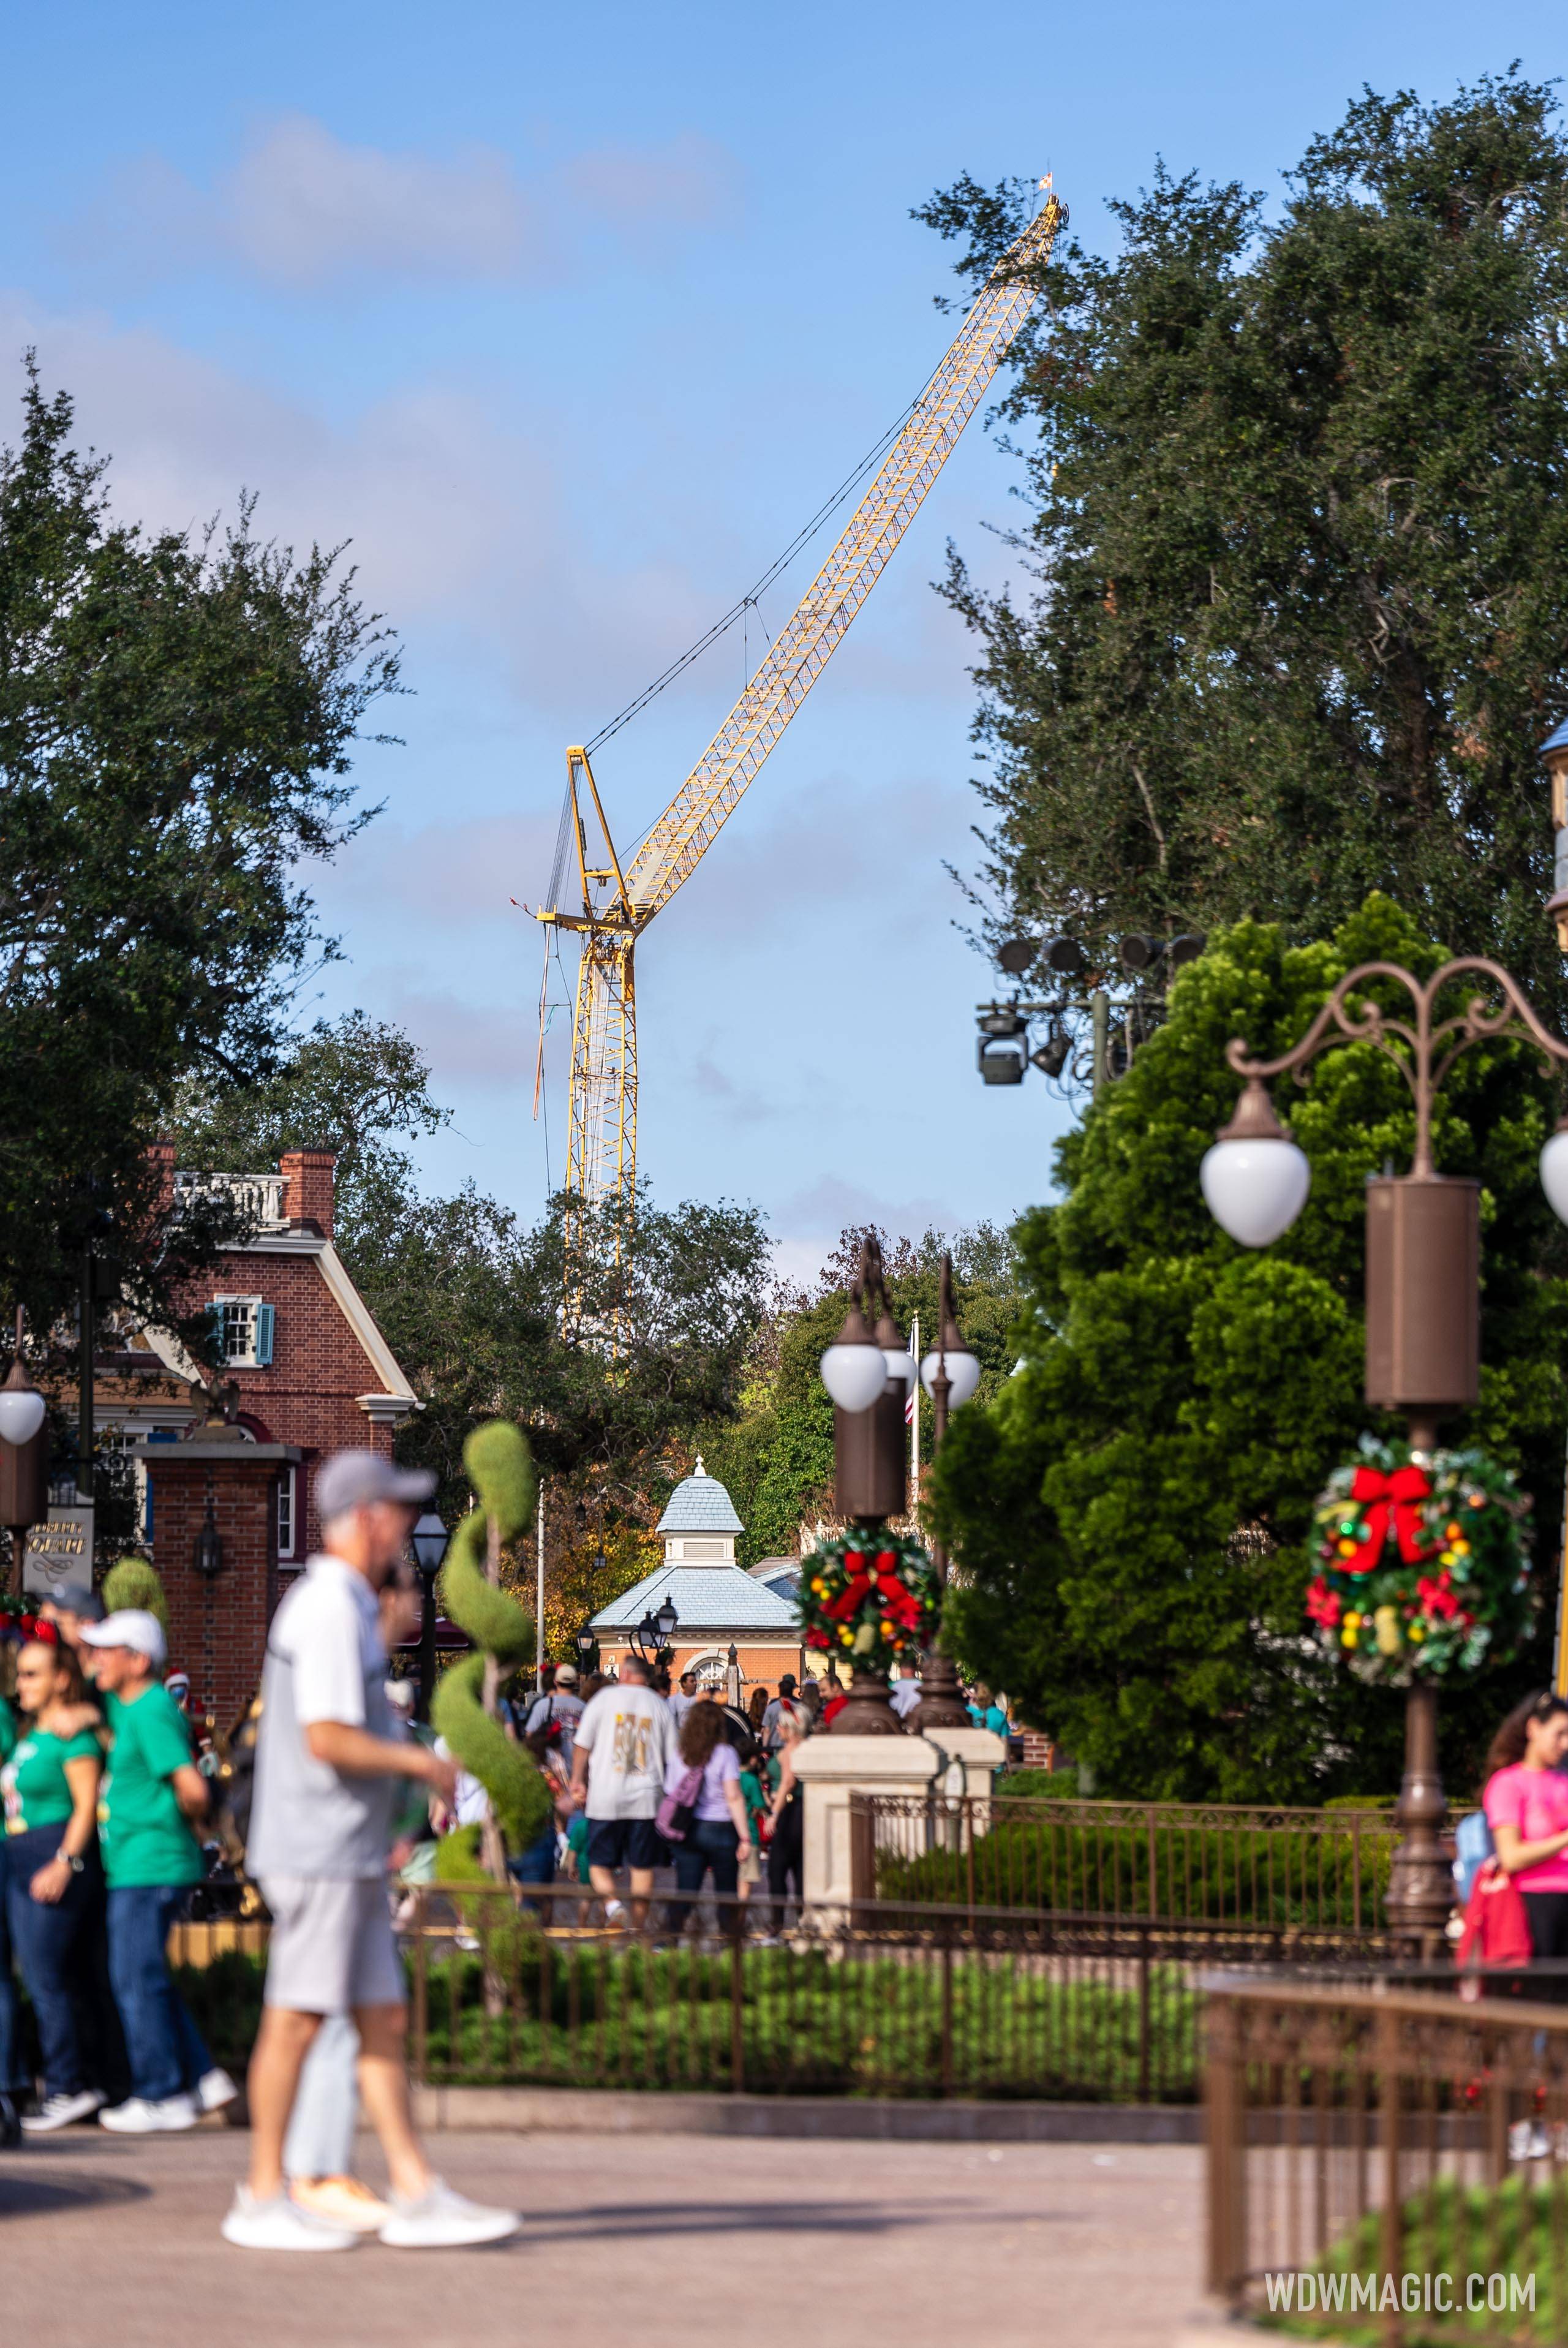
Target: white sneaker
[279,2225]
[215,2088]
[441,2220]
[137,2116]
[60,2111]
[1527,2140]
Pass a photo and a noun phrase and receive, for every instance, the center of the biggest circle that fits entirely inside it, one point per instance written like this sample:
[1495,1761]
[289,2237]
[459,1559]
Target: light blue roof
[700,1505]
[1557,741]
[706,1598]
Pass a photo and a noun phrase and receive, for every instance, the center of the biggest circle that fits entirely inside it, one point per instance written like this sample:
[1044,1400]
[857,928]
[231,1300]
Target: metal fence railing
[1389,2160]
[1276,1870]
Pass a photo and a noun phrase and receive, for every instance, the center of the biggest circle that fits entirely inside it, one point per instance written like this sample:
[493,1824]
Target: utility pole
[89,1332]
[539,1612]
[1099,1013]
[914,1414]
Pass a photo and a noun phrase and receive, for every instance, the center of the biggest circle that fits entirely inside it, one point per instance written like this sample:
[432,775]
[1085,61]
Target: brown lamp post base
[1421,1885]
[942,1704]
[869,1710]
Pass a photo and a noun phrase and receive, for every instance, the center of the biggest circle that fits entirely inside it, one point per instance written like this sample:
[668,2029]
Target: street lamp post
[868,1373]
[430,1543]
[950,1374]
[23,1458]
[1422,1280]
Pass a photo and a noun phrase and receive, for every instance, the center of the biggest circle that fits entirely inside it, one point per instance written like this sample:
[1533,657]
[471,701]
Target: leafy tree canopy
[1131,1513]
[1299,533]
[177,720]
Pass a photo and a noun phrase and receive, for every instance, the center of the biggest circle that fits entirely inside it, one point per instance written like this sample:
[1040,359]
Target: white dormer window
[243,1326]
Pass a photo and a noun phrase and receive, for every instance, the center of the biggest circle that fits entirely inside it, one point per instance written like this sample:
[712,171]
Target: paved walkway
[846,2245]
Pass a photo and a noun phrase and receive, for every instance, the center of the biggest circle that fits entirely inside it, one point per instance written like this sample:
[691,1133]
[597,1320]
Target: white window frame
[252,1304]
[287,1516]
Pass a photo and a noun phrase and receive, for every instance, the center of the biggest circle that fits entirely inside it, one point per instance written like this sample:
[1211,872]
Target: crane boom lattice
[617,905]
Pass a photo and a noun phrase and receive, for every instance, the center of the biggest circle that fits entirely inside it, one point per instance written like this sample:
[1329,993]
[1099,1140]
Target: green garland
[1423,1564]
[871,1597]
[501,1473]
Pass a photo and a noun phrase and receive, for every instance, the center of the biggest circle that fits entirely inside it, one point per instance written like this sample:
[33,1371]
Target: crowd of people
[110,1826]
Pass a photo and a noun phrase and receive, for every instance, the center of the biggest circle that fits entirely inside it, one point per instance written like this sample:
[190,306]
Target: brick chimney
[307,1187]
[161,1158]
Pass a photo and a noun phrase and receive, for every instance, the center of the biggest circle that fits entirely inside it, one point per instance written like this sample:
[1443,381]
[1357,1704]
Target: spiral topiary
[501,1473]
[135,1583]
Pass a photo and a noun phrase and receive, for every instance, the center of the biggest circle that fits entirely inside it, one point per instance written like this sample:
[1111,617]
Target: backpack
[678,1808]
[1473,1846]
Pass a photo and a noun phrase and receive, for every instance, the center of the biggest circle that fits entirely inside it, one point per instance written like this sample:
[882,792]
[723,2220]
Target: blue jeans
[709,1843]
[11,2083]
[167,2055]
[52,1950]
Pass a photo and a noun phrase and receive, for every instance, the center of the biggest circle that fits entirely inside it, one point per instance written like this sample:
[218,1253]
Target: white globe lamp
[1255,1181]
[853,1369]
[22,1410]
[1554,1172]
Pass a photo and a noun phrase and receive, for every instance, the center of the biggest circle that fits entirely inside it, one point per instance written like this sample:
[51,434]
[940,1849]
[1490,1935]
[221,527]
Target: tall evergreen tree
[1299,542]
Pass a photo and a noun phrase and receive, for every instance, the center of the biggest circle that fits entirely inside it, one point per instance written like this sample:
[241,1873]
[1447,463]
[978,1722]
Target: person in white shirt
[682,1699]
[561,1707]
[326,1760]
[904,1694]
[624,1740]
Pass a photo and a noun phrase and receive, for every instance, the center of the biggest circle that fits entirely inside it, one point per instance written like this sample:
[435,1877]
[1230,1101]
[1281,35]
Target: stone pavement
[652,2238]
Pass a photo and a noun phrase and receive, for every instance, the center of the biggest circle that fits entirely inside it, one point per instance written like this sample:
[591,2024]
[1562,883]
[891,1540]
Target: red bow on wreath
[877,1578]
[1396,1497]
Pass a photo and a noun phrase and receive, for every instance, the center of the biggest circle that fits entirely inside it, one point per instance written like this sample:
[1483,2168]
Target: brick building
[313,1375]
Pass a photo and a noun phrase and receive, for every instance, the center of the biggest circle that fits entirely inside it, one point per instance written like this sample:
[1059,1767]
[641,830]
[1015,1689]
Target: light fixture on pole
[587,1647]
[1422,1280]
[869,1374]
[24,1456]
[950,1374]
[207,1557]
[428,1541]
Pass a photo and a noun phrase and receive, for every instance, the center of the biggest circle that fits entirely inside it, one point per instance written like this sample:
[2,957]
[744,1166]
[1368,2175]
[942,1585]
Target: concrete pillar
[831,1768]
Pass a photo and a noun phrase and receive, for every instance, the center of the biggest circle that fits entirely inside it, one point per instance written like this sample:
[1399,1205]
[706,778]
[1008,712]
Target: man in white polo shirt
[327,1759]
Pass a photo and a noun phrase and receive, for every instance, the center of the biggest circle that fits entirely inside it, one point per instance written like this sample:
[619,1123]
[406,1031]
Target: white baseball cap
[132,1627]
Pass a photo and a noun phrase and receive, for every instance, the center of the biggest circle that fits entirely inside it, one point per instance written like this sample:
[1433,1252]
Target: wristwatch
[77,1865]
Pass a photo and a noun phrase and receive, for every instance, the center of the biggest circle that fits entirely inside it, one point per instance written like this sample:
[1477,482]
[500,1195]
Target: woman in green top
[12,2086]
[55,1884]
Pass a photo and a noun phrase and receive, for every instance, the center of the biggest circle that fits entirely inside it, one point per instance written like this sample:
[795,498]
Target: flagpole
[914,1414]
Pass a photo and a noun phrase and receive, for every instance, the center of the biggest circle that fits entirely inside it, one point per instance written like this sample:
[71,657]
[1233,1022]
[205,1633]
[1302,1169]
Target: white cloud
[307,211]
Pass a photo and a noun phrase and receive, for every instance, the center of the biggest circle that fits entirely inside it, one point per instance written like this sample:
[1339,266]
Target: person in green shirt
[152,1795]
[54,1884]
[13,2087]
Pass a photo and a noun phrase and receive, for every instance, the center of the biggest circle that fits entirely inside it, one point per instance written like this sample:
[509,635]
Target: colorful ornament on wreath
[870,1598]
[1423,1564]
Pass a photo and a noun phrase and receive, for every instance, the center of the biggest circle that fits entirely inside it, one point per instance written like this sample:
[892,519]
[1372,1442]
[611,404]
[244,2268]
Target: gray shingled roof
[700,1505]
[707,1598]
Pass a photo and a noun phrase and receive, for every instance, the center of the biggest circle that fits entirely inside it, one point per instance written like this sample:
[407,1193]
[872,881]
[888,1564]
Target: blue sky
[568,319]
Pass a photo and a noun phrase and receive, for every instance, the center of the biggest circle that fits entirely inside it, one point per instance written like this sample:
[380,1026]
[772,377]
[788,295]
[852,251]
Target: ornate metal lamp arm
[1411,1048]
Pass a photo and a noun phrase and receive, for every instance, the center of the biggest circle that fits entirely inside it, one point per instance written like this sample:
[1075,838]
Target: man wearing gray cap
[327,1757]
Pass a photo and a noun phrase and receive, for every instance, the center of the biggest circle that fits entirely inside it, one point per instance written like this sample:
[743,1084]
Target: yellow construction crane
[619,904]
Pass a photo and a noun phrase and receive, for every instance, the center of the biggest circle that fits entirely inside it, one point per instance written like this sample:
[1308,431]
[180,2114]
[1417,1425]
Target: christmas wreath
[872,1596]
[1423,1563]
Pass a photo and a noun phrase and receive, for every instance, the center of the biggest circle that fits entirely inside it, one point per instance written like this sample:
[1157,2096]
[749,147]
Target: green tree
[1299,540]
[356,1086]
[177,721]
[1131,1514]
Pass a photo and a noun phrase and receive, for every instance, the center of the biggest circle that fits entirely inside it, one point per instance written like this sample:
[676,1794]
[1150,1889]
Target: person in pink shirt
[1526,1804]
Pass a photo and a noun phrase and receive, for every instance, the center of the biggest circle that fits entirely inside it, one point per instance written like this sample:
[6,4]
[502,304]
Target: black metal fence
[868,1999]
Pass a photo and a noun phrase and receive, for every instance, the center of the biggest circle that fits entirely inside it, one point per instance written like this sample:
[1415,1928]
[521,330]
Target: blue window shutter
[265,1318]
[154,1435]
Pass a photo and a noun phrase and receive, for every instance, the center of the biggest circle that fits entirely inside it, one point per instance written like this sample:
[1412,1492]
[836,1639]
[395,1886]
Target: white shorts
[332,1948]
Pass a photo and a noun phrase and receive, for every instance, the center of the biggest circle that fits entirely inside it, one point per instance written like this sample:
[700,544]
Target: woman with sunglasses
[55,1891]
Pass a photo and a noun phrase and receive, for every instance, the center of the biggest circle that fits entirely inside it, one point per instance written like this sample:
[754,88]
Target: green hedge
[1272,1876]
